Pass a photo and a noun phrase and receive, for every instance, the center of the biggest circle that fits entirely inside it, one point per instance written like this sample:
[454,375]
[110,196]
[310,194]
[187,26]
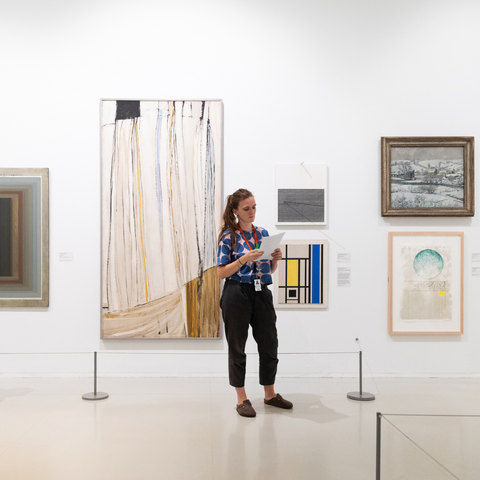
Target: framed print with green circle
[425,283]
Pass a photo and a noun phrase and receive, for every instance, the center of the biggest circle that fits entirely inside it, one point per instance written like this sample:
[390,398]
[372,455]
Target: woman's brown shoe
[279,402]
[245,409]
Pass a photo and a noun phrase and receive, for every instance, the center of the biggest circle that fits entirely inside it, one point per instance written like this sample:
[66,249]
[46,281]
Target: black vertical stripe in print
[5,237]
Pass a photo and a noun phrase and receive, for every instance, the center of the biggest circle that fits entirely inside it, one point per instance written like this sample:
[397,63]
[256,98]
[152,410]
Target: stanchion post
[360,396]
[361,373]
[379,444]
[95,395]
[94,373]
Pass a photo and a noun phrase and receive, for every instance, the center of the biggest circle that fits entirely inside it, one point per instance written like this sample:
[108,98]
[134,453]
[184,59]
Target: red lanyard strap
[245,238]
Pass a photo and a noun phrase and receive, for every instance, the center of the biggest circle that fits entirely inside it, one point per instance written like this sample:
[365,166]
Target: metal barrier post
[95,395]
[360,396]
[379,443]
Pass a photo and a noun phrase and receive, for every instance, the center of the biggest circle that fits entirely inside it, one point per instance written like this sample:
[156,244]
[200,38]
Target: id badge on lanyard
[256,281]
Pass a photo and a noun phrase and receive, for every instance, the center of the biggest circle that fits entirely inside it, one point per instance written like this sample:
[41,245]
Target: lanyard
[245,238]
[256,281]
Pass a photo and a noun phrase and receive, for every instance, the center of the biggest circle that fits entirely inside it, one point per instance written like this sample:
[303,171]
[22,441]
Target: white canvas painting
[301,194]
[161,208]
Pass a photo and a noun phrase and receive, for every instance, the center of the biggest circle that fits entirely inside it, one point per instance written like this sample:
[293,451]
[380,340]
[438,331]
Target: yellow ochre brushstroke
[292,275]
[141,211]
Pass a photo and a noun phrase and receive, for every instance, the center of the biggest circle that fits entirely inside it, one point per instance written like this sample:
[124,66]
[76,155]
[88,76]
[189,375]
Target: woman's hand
[252,256]
[277,254]
[276,257]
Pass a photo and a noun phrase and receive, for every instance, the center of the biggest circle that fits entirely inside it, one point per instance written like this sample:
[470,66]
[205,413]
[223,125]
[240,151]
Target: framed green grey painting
[24,269]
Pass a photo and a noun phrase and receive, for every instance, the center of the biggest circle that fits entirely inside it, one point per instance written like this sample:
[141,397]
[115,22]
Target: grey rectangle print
[301,205]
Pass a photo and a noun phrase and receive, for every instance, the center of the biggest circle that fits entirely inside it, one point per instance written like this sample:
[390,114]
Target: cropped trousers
[242,306]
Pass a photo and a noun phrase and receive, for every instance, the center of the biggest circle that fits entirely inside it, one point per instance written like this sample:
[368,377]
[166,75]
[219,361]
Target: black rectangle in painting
[127,109]
[305,280]
[309,271]
[5,237]
[301,205]
[299,282]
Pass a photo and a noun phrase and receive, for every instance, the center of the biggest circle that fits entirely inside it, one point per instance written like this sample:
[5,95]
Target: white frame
[301,176]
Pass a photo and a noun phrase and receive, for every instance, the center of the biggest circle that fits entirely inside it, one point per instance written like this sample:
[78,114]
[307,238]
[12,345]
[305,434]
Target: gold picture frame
[427,176]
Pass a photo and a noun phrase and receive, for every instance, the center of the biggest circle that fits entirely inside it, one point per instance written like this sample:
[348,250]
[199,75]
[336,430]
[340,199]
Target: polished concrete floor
[187,428]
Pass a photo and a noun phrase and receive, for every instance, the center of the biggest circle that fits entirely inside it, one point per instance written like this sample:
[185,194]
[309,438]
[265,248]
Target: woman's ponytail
[229,219]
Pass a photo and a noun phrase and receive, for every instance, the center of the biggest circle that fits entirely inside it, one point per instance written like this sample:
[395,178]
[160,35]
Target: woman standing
[246,299]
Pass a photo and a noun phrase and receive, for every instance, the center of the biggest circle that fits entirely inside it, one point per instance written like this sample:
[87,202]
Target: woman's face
[246,210]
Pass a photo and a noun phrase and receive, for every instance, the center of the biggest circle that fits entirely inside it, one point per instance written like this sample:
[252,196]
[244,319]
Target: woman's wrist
[242,264]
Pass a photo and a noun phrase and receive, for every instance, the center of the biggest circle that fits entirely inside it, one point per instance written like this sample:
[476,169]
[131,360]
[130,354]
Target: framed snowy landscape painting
[428,176]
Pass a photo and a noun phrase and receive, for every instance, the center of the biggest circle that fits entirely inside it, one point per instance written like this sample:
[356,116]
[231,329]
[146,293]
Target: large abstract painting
[24,237]
[301,279]
[426,282]
[161,208]
[301,194]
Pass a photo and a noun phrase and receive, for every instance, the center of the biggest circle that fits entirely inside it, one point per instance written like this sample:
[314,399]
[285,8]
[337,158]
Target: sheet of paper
[475,257]
[476,271]
[344,276]
[344,257]
[269,244]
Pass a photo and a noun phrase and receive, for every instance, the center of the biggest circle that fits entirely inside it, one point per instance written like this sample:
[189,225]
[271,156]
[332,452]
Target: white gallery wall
[314,81]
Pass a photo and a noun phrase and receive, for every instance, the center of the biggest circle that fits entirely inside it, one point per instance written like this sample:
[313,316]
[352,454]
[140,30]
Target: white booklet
[269,244]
